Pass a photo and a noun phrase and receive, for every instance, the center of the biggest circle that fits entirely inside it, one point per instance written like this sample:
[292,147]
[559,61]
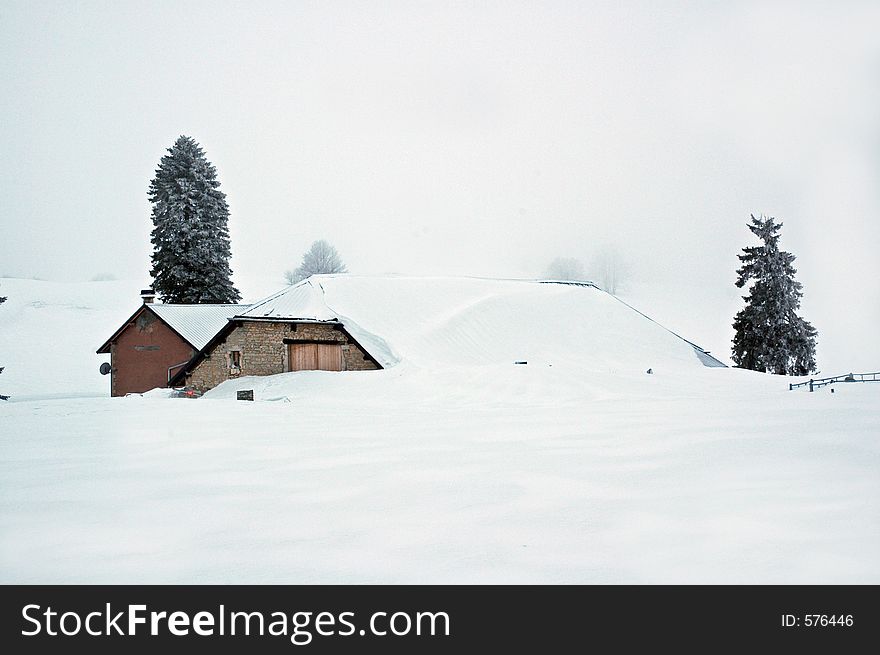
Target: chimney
[148,296]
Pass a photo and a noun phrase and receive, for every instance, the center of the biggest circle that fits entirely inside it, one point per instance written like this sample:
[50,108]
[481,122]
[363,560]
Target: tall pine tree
[190,233]
[770,336]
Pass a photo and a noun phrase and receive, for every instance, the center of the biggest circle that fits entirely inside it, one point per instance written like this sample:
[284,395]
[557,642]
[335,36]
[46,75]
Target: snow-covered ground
[424,472]
[48,332]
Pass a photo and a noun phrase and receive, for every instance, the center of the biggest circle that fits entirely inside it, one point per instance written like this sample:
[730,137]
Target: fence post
[811,385]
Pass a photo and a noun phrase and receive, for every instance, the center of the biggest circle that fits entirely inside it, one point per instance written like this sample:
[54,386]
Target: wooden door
[315,357]
[329,357]
[303,356]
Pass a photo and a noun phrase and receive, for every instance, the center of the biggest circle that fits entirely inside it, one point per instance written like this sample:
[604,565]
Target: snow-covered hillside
[441,321]
[49,332]
[470,470]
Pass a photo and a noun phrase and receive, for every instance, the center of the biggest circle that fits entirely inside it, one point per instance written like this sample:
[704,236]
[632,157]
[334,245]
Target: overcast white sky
[471,138]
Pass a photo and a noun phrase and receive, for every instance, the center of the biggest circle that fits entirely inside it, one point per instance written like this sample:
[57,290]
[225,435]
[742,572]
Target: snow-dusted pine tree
[2,397]
[190,233]
[770,336]
[321,258]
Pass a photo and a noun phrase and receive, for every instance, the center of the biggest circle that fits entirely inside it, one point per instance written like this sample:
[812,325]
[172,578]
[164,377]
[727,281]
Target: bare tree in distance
[609,269]
[565,268]
[320,258]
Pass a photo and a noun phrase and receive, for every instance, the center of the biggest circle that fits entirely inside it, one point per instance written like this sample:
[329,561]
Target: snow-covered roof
[457,320]
[301,301]
[196,323]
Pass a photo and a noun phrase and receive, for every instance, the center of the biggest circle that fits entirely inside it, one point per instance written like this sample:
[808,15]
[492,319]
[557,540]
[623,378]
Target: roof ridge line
[197,304]
[271,297]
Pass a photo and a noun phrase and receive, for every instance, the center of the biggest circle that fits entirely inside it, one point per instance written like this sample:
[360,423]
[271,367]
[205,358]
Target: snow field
[470,470]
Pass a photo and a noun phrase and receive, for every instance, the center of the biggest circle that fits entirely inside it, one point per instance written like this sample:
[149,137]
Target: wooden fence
[849,377]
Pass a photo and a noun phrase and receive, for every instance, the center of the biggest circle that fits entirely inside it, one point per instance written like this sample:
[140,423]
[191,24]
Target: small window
[234,359]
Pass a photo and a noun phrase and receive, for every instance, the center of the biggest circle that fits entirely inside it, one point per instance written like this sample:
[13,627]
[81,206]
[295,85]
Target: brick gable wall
[142,353]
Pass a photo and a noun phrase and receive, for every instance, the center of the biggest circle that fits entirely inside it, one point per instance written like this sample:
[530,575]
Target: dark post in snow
[2,397]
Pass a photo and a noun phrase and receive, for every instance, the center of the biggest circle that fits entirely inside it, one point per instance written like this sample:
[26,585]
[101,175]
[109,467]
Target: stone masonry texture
[264,351]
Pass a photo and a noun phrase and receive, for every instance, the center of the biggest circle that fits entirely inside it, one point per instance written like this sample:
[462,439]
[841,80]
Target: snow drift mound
[472,321]
[49,330]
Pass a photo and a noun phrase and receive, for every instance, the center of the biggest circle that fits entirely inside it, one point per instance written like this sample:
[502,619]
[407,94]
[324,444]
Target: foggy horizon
[482,139]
